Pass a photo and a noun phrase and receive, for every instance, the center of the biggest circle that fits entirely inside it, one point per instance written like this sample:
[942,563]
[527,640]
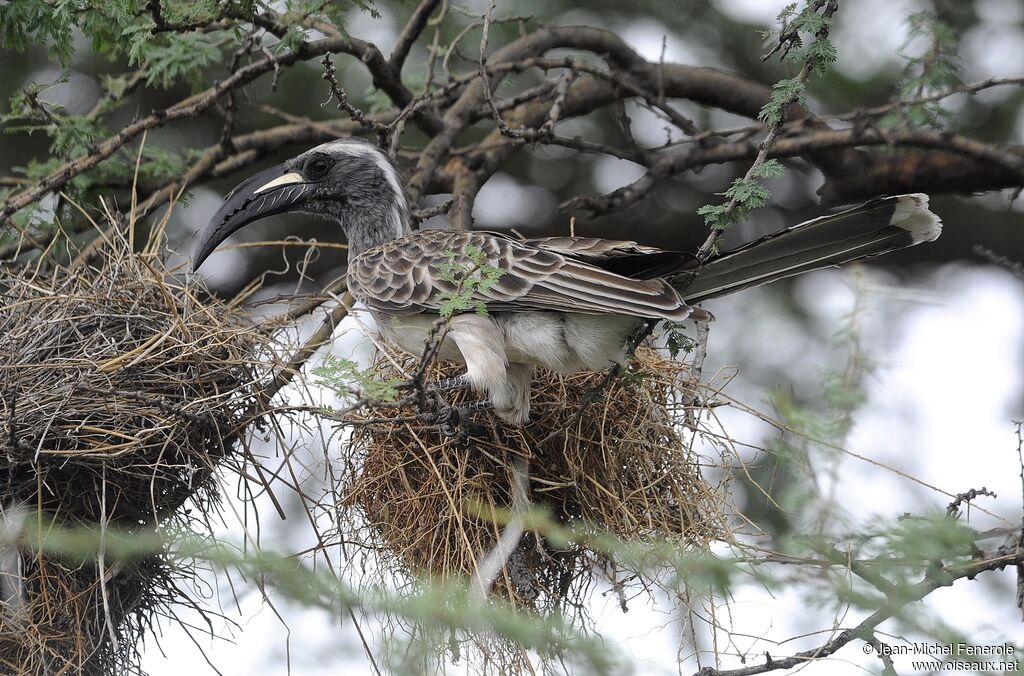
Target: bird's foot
[449,418]
[449,384]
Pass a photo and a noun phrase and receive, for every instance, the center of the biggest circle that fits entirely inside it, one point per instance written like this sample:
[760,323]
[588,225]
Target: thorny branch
[1020,536]
[338,93]
[786,42]
[940,576]
[951,162]
[988,164]
[561,89]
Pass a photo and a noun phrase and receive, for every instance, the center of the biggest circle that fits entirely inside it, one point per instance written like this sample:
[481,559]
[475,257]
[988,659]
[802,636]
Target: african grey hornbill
[564,303]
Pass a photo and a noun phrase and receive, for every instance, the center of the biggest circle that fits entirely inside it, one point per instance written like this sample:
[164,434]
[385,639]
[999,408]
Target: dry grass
[617,465]
[121,388]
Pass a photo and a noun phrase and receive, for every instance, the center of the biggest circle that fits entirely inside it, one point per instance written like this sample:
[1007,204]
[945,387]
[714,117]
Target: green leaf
[28,23]
[337,374]
[470,272]
[169,57]
[784,92]
[769,169]
[935,70]
[748,193]
[809,21]
[786,13]
[675,340]
[714,216]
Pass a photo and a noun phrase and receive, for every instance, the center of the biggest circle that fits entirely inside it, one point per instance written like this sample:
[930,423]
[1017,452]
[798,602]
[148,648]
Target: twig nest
[120,392]
[117,376]
[613,458]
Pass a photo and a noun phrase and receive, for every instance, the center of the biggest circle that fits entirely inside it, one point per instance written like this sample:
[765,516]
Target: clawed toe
[448,419]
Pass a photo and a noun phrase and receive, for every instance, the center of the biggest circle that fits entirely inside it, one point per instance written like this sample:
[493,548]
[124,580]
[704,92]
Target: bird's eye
[317,167]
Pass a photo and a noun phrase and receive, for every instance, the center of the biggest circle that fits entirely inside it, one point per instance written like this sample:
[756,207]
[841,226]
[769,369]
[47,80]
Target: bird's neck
[369,225]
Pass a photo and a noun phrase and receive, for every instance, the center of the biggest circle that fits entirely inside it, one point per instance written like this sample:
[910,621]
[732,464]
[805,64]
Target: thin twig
[902,597]
[410,33]
[764,148]
[338,93]
[100,564]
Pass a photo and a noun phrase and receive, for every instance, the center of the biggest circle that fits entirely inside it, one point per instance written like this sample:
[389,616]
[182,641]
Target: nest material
[610,458]
[120,389]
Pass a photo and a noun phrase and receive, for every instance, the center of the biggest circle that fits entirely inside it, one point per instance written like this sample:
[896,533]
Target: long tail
[877,227]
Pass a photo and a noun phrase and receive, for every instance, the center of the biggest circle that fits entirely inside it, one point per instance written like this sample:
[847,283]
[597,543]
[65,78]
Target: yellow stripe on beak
[292,177]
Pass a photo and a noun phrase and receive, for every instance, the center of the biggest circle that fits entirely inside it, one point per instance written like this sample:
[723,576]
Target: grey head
[350,181]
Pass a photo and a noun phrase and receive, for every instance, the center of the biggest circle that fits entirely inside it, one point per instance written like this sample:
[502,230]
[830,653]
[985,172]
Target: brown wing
[415,274]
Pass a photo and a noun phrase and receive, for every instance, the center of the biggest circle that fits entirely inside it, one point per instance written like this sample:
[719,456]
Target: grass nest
[604,457]
[121,389]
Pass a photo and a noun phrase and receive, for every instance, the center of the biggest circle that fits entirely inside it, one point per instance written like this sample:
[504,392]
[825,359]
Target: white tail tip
[912,214]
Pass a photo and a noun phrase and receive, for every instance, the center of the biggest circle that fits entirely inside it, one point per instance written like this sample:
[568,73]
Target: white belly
[411,333]
[563,342]
[501,349]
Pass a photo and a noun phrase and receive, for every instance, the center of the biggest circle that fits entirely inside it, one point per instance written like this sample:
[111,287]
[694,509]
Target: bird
[562,303]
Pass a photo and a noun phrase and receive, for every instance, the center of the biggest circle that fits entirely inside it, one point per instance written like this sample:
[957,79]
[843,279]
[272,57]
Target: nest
[604,457]
[121,389]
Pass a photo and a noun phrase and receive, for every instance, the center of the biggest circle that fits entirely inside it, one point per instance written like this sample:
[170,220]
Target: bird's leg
[449,384]
[421,393]
[475,406]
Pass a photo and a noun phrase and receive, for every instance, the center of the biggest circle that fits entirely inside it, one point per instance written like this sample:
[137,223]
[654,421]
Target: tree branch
[187,108]
[410,33]
[1009,555]
[866,176]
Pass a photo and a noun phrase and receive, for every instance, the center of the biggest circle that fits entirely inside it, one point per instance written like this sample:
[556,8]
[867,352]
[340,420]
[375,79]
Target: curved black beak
[272,191]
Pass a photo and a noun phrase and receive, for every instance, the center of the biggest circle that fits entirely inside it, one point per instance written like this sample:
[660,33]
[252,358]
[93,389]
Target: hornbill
[564,303]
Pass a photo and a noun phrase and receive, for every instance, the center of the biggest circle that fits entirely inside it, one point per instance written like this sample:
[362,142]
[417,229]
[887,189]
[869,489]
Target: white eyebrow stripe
[291,177]
[391,175]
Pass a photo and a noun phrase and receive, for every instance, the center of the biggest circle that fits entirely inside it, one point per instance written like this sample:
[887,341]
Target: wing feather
[591,249]
[622,257]
[408,275]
